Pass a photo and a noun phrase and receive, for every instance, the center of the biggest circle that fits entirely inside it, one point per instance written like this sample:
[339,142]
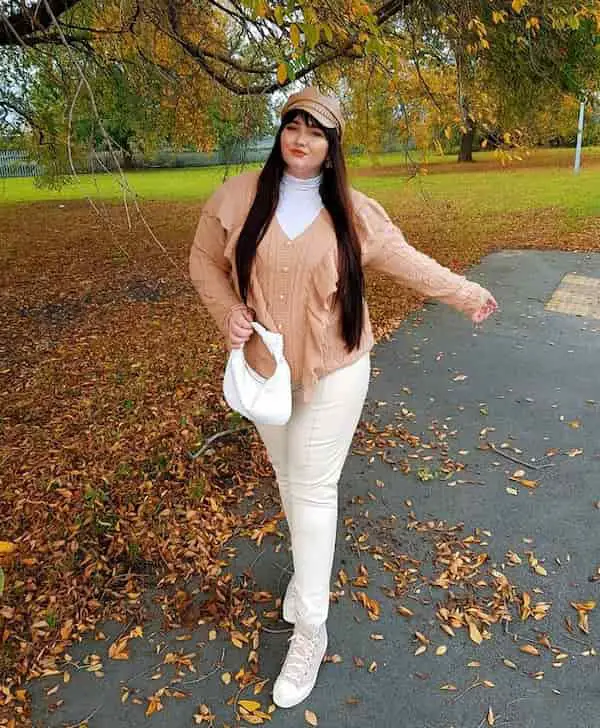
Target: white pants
[307,455]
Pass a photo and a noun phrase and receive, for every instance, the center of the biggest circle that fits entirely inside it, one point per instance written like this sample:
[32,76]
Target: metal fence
[17,164]
[14,163]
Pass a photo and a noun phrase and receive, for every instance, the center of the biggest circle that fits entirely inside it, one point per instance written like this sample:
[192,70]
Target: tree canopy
[472,65]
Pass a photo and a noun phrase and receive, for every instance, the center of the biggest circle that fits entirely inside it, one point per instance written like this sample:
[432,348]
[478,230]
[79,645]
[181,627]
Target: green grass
[156,184]
[498,190]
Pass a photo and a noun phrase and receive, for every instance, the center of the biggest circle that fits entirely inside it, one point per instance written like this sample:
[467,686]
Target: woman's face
[303,148]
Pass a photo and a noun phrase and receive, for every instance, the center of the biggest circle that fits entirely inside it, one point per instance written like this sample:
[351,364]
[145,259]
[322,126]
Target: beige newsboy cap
[325,109]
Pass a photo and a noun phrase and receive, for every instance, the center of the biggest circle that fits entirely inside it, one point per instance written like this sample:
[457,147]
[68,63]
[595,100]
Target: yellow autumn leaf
[295,35]
[282,73]
[584,606]
[310,718]
[518,5]
[7,547]
[154,706]
[226,678]
[249,705]
[118,650]
[441,650]
[491,720]
[529,483]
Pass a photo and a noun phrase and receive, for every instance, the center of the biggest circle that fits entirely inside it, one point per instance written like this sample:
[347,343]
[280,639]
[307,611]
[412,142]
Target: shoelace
[297,662]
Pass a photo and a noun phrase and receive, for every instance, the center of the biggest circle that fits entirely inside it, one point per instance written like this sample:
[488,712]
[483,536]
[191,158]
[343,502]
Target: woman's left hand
[488,308]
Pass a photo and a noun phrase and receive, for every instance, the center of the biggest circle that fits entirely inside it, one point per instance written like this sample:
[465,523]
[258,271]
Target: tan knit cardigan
[293,282]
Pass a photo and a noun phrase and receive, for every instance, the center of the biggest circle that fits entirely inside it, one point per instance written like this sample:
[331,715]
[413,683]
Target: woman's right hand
[240,329]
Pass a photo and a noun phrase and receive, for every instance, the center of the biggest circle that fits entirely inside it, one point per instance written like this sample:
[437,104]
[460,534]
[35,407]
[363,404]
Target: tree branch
[32,20]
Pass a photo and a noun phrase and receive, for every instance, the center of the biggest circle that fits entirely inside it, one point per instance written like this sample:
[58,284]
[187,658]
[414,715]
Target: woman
[288,246]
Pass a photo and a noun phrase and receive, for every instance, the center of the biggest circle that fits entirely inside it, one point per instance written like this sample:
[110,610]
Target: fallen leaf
[574,452]
[441,650]
[448,630]
[7,547]
[583,610]
[491,720]
[513,558]
[530,650]
[525,482]
[154,706]
[474,632]
[422,638]
[249,705]
[310,718]
[509,663]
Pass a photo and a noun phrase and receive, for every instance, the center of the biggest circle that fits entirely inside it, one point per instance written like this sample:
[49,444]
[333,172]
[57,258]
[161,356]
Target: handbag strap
[273,341]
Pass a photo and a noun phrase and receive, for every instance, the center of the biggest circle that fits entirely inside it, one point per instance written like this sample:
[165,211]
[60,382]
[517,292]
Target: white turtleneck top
[299,204]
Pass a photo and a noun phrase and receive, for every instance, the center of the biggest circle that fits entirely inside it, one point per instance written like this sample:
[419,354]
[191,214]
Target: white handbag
[263,401]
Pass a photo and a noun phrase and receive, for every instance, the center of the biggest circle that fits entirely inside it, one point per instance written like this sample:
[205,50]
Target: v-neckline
[306,229]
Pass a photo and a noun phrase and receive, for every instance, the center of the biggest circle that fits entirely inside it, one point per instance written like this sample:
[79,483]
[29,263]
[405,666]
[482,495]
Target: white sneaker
[289,602]
[301,667]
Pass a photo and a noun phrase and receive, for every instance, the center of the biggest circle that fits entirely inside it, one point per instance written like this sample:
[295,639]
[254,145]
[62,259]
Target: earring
[328,164]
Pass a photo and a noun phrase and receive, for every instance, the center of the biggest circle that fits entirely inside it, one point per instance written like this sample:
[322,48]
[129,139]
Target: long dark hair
[335,194]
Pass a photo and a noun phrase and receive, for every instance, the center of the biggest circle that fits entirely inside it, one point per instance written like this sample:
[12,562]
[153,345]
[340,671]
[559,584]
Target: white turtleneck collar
[299,204]
[301,184]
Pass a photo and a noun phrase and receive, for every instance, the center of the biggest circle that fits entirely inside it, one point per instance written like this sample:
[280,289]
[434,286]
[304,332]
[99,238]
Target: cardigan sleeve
[210,269]
[385,249]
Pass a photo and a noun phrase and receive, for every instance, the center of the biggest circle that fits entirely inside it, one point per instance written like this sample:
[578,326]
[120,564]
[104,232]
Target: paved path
[534,377]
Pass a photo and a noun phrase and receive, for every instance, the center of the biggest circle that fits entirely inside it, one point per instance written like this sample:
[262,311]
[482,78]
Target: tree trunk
[128,160]
[466,141]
